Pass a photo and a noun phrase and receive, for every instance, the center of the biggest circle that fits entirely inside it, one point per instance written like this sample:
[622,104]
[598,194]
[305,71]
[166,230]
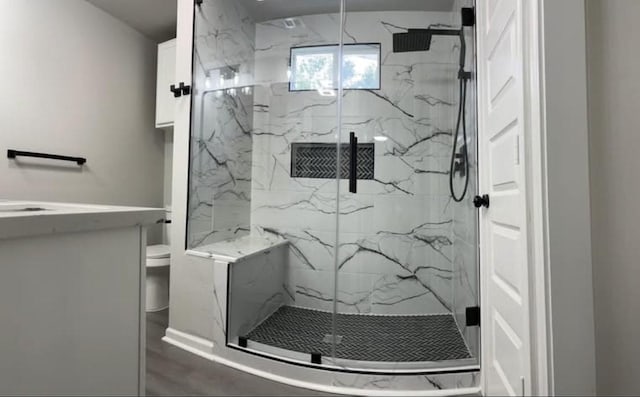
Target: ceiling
[275,9]
[155,19]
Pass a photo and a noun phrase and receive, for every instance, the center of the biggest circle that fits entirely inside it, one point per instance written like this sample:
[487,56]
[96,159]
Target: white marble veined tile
[315,289]
[316,211]
[219,295]
[406,254]
[308,249]
[257,290]
[424,382]
[395,213]
[394,294]
[225,35]
[220,170]
[231,250]
[414,175]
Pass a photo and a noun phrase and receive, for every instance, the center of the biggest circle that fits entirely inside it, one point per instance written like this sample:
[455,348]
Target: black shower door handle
[353,163]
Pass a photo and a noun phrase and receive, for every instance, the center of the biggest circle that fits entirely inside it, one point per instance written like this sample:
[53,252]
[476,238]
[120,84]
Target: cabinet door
[73,318]
[165,101]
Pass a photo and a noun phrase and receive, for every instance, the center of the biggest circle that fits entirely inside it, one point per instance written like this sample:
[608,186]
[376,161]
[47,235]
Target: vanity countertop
[26,218]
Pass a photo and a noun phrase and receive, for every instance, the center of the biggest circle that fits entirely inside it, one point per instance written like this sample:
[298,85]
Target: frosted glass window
[316,67]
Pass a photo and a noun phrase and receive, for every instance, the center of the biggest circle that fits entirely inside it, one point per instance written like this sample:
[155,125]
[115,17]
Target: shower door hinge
[198,2]
[472,316]
[316,358]
[464,75]
[468,16]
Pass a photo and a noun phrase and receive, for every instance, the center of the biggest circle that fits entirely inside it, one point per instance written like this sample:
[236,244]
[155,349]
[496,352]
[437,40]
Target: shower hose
[462,119]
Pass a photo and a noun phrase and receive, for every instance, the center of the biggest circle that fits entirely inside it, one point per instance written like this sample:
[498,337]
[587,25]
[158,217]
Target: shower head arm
[420,40]
[447,32]
[440,32]
[462,74]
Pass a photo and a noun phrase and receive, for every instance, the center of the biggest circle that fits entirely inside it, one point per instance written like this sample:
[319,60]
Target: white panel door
[505,303]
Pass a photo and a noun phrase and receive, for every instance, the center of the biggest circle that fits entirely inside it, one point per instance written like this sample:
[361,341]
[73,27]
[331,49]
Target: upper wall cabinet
[165,99]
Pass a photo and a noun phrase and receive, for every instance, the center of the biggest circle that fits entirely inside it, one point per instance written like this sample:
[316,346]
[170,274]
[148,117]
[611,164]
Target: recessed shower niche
[332,171]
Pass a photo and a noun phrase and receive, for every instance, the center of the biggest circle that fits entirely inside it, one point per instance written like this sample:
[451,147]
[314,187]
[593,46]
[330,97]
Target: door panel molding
[505,260]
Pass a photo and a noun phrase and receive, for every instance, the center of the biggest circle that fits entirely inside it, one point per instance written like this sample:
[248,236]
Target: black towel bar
[12,154]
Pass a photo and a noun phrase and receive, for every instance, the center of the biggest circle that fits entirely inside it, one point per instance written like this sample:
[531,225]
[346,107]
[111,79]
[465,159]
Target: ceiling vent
[292,23]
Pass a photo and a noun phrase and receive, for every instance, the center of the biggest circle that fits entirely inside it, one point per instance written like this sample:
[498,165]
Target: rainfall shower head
[419,39]
[413,40]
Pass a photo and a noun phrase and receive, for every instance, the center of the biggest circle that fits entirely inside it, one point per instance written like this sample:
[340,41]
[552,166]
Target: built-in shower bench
[255,269]
[239,249]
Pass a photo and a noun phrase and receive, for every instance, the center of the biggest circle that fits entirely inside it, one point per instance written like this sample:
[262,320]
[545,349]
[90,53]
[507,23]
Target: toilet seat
[158,255]
[158,251]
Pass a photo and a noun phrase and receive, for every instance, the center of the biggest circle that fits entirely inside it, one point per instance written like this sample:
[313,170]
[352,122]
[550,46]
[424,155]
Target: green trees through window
[316,68]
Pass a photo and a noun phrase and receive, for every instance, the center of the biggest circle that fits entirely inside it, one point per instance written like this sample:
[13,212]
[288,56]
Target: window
[316,68]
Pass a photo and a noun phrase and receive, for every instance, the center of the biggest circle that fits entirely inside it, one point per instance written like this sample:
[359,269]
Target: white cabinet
[72,299]
[165,100]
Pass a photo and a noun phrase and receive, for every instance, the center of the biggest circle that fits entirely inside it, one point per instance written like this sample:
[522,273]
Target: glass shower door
[266,78]
[406,264]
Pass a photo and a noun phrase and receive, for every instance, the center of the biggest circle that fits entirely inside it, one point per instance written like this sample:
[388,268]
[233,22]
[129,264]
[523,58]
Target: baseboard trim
[203,348]
[191,343]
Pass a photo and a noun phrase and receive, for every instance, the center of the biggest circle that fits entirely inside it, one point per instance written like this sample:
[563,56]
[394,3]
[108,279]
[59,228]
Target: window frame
[335,65]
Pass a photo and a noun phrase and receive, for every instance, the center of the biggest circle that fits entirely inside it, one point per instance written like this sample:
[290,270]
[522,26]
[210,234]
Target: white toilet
[158,262]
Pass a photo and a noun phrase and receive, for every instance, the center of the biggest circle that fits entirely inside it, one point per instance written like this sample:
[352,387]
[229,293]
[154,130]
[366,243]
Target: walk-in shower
[332,169]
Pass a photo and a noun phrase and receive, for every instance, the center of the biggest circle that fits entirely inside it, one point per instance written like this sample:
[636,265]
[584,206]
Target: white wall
[614,95]
[190,290]
[76,81]
[168,185]
[567,179]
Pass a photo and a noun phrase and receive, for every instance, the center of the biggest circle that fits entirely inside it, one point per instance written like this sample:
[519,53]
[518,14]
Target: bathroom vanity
[72,298]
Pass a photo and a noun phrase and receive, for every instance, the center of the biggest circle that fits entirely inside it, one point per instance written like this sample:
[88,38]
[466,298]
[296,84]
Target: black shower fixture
[460,165]
[468,16]
[420,40]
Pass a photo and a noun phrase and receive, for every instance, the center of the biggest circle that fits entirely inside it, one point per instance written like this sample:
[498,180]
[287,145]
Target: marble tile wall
[396,238]
[222,123]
